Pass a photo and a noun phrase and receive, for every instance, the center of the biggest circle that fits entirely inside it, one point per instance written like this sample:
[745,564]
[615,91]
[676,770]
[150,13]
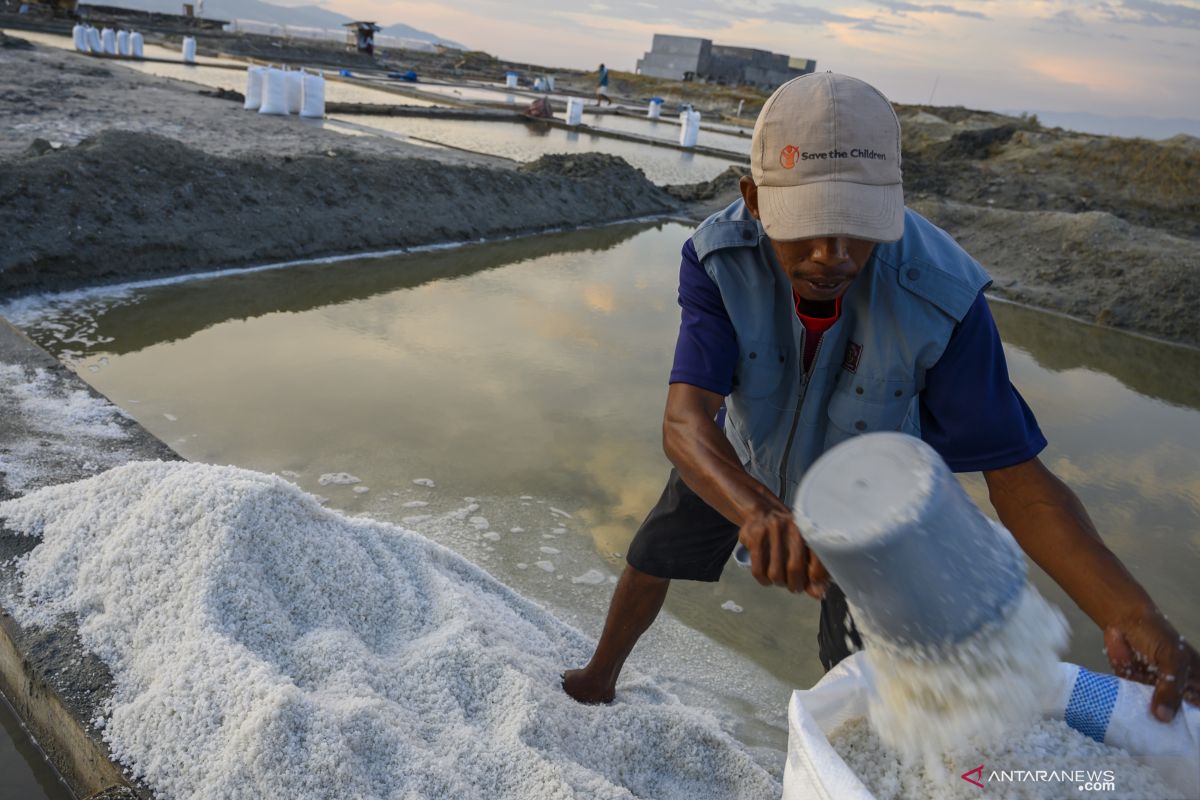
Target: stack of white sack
[312,104]
[255,76]
[274,92]
[1105,708]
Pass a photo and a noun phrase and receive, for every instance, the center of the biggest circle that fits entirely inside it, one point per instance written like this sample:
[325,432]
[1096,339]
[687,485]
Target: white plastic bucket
[654,108]
[79,35]
[108,41]
[312,104]
[295,91]
[123,43]
[1105,707]
[137,45]
[689,128]
[574,111]
[510,80]
[189,50]
[274,93]
[254,87]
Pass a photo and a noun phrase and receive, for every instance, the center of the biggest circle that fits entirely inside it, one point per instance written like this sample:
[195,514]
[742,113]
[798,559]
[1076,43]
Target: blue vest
[897,318]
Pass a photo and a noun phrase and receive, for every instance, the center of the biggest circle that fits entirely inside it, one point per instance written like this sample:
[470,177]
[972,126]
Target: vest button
[781,359]
[861,425]
[899,393]
[858,390]
[747,235]
[913,274]
[754,355]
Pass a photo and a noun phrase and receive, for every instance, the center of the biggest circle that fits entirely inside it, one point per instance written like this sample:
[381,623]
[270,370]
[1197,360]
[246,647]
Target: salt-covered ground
[264,646]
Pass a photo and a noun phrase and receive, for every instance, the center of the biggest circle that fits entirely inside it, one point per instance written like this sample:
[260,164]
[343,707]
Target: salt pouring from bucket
[920,564]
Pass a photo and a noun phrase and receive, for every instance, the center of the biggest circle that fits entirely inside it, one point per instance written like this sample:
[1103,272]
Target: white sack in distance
[108,39]
[689,128]
[274,93]
[189,49]
[123,43]
[79,34]
[574,111]
[93,40]
[295,91]
[312,104]
[254,87]
[137,45]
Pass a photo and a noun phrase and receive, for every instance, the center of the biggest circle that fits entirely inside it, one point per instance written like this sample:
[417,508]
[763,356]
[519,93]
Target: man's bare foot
[584,688]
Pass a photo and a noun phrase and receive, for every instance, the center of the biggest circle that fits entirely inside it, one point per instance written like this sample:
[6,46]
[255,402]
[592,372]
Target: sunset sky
[1122,57]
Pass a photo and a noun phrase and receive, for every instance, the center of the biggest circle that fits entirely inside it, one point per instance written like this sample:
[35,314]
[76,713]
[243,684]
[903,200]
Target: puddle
[526,142]
[506,400]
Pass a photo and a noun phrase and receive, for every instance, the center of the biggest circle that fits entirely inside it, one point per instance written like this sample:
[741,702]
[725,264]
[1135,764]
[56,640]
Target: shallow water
[530,375]
[24,773]
[527,142]
[669,131]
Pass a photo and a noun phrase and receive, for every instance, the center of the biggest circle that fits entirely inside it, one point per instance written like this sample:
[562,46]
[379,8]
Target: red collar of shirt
[817,325]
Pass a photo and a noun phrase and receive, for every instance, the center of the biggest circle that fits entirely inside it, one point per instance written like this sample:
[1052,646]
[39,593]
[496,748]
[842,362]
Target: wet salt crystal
[263,646]
[516,530]
[492,536]
[522,565]
[361,489]
[1046,744]
[591,577]
[415,518]
[927,701]
[424,482]
[550,551]
[479,523]
[729,605]
[171,417]
[526,497]
[548,566]
[337,479]
[287,473]
[560,512]
[415,503]
[559,530]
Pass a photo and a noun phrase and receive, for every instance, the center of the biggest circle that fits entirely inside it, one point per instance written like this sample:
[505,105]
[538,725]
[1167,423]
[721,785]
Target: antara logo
[977,772]
[788,155]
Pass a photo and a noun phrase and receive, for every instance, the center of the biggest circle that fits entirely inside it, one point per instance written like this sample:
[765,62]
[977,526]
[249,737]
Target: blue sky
[1116,57]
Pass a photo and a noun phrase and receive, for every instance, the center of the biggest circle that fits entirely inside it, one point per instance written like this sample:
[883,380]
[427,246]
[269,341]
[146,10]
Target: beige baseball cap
[826,159]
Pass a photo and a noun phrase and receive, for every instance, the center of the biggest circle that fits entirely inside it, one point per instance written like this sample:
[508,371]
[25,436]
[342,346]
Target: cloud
[1152,13]
[902,7]
[805,15]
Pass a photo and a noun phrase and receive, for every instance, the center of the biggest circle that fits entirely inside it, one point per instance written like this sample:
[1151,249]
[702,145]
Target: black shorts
[684,538]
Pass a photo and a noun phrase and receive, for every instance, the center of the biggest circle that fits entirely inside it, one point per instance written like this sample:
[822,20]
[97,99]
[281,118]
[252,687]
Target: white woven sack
[274,93]
[312,104]
[79,34]
[137,45]
[295,91]
[108,39]
[1104,707]
[189,49]
[254,87]
[94,43]
[123,43]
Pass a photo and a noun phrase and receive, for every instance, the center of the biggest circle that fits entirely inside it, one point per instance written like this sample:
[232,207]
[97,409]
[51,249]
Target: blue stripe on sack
[1091,704]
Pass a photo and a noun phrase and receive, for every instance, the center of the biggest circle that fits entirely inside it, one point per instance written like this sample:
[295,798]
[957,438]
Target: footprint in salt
[548,566]
[729,605]
[424,482]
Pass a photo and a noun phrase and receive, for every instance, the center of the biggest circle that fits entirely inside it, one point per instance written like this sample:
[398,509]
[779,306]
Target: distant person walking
[602,87]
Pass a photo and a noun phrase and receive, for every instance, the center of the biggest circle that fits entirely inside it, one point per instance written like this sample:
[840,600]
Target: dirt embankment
[124,205]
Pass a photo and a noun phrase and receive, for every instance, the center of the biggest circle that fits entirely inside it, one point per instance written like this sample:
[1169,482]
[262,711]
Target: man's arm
[1052,526]
[708,464]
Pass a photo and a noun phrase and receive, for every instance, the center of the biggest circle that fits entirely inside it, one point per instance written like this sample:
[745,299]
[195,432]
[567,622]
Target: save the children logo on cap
[787,156]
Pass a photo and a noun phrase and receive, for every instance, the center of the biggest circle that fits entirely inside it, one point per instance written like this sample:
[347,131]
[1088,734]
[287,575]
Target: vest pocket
[759,369]
[854,414]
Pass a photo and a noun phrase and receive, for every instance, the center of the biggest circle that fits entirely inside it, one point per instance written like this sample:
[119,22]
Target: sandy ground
[137,175]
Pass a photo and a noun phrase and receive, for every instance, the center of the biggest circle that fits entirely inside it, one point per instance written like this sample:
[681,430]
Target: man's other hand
[1148,649]
[779,556]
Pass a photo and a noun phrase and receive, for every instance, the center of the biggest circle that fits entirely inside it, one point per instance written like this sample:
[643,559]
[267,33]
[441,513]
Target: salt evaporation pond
[529,141]
[521,383]
[669,131]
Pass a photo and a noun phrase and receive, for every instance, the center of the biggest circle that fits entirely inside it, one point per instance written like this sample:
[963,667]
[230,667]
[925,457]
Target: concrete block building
[685,58]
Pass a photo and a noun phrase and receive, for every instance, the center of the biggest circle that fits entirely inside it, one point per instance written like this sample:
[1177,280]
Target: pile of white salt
[263,646]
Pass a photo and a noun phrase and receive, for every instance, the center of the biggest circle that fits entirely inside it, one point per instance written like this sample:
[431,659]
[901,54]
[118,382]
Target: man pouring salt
[815,308]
